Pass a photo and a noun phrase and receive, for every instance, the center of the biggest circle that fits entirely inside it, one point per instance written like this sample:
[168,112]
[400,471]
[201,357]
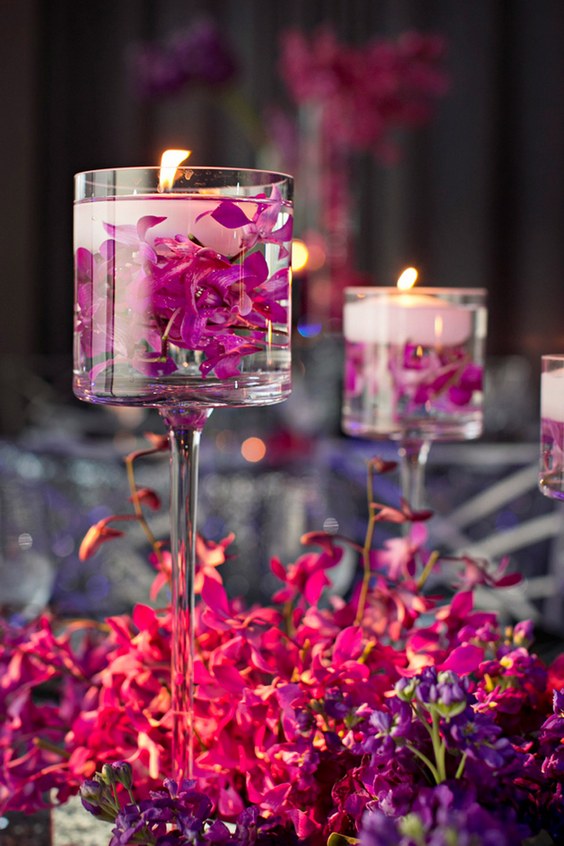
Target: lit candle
[399,317]
[183,214]
[552,395]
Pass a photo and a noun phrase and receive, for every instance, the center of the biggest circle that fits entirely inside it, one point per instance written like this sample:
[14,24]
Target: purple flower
[440,816]
[479,737]
[174,291]
[261,228]
[558,702]
[443,692]
[198,56]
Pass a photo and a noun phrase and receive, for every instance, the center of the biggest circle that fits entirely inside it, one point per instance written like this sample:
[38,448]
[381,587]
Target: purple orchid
[436,377]
[142,296]
[261,228]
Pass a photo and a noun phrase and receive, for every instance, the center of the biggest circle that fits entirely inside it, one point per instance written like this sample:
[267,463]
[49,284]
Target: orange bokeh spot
[253,449]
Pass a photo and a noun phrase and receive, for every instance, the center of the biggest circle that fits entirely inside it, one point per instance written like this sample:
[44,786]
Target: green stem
[438,748]
[428,763]
[434,557]
[241,110]
[43,743]
[460,770]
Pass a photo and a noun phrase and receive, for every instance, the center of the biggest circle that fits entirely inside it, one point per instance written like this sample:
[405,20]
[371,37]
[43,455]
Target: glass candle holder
[414,365]
[551,470]
[182,303]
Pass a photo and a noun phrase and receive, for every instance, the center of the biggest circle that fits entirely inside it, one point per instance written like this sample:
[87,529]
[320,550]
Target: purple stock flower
[440,692]
[441,816]
[480,738]
[558,702]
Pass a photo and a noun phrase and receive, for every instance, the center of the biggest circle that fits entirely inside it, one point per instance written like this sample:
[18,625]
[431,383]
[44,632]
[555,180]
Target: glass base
[466,428]
[240,391]
[552,484]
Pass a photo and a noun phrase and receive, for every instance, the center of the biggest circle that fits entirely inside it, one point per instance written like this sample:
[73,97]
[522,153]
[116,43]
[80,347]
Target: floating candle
[183,215]
[426,318]
[552,395]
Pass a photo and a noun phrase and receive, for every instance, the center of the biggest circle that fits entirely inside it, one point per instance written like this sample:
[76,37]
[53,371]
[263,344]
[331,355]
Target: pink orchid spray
[313,715]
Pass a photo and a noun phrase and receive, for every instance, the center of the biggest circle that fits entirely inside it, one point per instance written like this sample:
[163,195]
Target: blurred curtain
[477,199]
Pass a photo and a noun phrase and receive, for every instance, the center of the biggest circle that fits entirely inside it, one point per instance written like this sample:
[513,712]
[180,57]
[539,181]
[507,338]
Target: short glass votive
[414,363]
[551,471]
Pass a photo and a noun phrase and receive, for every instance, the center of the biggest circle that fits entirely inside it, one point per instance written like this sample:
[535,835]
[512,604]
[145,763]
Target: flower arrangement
[366,92]
[391,716]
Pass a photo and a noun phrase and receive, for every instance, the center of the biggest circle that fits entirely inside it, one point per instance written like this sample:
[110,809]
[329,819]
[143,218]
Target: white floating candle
[421,317]
[185,215]
[552,395]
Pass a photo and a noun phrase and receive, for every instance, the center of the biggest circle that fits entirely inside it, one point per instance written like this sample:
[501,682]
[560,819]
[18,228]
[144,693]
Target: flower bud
[123,774]
[405,689]
[108,776]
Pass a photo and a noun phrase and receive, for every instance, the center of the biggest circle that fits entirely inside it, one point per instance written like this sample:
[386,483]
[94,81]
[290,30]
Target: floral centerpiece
[391,716]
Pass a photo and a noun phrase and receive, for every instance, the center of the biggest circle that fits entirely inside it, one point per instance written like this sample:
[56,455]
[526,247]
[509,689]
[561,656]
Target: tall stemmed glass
[414,371]
[182,303]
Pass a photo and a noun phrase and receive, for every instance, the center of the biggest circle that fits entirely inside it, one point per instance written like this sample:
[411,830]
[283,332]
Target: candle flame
[407,279]
[170,161]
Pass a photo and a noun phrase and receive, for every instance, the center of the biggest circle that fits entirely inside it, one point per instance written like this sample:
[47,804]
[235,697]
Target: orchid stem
[48,746]
[434,557]
[367,573]
[137,504]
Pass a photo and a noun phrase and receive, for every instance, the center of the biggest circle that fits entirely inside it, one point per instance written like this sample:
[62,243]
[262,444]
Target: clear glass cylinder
[182,293]
[551,469]
[414,363]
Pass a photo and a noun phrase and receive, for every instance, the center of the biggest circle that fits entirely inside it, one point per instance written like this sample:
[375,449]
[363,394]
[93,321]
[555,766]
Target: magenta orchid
[318,719]
[365,91]
[217,298]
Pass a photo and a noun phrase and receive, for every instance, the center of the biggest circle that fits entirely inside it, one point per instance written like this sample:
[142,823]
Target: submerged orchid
[144,298]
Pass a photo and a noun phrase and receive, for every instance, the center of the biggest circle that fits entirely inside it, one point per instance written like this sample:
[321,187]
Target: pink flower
[366,92]
[96,535]
[306,578]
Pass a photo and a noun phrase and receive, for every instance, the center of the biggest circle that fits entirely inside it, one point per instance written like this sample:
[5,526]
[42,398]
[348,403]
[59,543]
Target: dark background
[477,199]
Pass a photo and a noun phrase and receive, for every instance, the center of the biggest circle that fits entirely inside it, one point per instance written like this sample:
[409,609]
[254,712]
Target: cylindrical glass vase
[414,363]
[182,292]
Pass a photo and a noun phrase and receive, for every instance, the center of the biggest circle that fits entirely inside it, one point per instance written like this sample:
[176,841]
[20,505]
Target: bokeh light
[253,449]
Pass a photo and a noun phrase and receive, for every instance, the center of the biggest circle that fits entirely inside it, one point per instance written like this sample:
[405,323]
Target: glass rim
[198,168]
[386,289]
[552,357]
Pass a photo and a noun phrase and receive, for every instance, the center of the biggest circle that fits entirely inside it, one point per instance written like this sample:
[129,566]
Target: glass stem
[184,436]
[413,460]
